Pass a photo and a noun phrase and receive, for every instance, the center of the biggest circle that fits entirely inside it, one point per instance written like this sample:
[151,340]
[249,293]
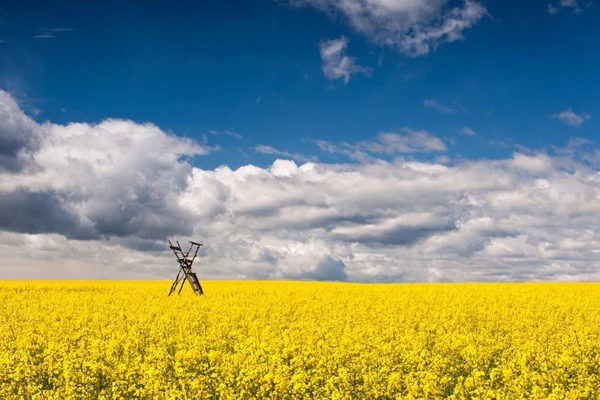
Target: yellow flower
[296,340]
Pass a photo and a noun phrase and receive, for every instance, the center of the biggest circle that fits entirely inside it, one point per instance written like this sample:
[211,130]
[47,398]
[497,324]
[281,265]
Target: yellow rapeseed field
[299,340]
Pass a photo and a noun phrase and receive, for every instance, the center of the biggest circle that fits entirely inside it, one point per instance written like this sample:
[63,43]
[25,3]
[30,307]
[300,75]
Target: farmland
[284,340]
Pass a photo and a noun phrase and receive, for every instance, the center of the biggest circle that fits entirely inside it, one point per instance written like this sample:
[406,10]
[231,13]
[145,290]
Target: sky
[355,140]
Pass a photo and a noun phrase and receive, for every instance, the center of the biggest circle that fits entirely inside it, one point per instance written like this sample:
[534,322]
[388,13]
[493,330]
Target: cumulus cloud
[335,63]
[41,212]
[116,178]
[100,200]
[20,136]
[570,117]
[414,27]
[329,269]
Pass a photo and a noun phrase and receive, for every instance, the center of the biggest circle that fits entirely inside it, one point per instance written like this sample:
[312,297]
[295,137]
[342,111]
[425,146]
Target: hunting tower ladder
[185,261]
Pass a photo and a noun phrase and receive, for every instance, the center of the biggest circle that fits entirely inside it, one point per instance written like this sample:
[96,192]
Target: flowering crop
[288,340]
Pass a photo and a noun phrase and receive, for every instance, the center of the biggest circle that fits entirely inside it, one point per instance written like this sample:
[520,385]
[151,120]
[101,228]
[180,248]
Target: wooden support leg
[175,282]
[182,283]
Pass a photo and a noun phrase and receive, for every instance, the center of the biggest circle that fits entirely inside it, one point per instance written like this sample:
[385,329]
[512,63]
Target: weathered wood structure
[185,260]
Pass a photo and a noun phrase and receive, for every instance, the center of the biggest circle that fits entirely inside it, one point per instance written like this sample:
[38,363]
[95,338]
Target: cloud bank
[100,200]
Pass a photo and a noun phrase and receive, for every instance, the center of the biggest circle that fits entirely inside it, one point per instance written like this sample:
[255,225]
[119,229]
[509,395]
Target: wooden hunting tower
[185,261]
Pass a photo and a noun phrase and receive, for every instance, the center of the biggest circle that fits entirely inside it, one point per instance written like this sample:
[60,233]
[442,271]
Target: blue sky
[255,68]
[364,140]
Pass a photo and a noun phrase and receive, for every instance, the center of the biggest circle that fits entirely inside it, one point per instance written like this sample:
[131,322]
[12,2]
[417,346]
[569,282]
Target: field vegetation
[299,340]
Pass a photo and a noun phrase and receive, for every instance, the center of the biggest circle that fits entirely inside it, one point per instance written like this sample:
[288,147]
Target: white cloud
[538,164]
[49,33]
[272,150]
[570,117]
[226,133]
[424,39]
[468,131]
[335,63]
[44,36]
[83,200]
[56,29]
[20,136]
[440,107]
[409,141]
[414,27]
[86,181]
[350,151]
[566,4]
